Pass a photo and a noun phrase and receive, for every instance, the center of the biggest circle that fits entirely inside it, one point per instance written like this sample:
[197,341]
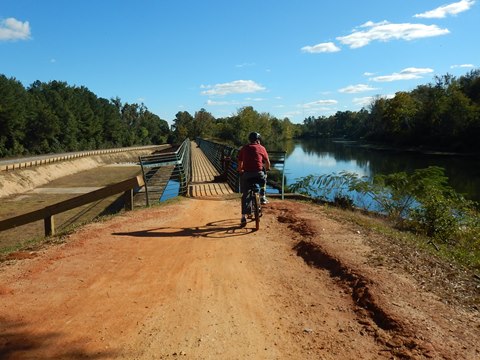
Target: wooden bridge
[205,181]
[200,169]
[185,170]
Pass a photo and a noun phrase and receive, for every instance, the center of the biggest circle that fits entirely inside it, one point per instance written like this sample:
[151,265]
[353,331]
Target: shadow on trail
[217,229]
[19,342]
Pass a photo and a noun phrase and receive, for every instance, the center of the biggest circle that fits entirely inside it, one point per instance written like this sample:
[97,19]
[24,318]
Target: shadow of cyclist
[217,229]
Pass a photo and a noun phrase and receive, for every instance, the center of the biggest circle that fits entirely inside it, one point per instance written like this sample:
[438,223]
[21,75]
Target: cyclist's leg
[257,211]
[245,183]
[244,190]
[262,182]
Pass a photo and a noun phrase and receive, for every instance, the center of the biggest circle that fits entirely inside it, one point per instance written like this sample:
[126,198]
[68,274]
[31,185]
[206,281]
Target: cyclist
[253,164]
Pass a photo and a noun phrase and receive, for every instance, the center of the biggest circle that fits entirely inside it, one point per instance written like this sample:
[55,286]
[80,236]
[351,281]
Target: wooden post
[49,224]
[128,195]
[147,201]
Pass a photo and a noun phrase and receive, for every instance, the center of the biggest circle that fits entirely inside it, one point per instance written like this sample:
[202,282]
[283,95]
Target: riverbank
[415,150]
[426,150]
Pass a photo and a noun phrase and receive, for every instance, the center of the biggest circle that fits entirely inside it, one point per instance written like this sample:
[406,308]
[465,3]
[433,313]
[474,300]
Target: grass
[461,253]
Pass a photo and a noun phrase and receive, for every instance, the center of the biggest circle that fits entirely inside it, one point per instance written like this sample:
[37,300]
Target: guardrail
[166,174]
[224,159]
[10,165]
[128,187]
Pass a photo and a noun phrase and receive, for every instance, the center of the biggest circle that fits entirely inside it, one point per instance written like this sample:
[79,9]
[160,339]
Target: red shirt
[253,157]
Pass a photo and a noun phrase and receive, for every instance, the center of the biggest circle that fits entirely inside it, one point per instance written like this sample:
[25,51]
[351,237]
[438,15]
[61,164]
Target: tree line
[443,114]
[234,129]
[54,117]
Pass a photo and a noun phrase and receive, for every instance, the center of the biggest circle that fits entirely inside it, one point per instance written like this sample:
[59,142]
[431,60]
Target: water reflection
[321,157]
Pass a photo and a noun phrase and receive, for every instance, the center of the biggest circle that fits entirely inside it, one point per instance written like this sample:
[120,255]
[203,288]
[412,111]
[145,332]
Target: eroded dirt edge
[377,318]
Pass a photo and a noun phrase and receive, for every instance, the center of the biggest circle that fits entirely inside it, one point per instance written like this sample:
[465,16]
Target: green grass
[462,252]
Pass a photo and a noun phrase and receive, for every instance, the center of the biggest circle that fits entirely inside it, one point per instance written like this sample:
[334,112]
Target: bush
[423,200]
[330,187]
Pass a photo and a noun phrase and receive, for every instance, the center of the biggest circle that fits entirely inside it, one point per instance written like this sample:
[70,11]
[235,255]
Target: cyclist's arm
[267,164]
[240,166]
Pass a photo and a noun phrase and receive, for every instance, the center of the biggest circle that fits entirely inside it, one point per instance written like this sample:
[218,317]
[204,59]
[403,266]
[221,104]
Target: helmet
[253,136]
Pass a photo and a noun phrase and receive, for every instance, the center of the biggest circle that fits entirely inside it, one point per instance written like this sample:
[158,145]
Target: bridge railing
[224,159]
[166,173]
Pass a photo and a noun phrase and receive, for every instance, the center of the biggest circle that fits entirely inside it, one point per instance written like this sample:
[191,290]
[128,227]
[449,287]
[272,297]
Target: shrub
[423,200]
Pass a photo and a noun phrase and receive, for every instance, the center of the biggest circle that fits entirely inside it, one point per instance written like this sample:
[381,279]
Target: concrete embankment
[23,180]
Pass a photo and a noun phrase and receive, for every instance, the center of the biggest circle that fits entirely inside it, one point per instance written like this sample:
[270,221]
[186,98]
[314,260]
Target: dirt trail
[184,281]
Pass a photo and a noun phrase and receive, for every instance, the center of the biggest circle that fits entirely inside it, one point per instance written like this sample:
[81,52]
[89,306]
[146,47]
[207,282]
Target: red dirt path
[184,281]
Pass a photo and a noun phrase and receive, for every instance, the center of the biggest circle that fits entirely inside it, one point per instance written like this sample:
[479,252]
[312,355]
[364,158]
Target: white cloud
[234,87]
[445,10]
[254,99]
[319,104]
[12,29]
[292,114]
[245,65]
[363,101]
[462,66]
[405,74]
[353,89]
[367,100]
[328,47]
[220,103]
[385,31]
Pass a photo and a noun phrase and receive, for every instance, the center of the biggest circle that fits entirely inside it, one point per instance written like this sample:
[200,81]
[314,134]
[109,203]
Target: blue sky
[288,58]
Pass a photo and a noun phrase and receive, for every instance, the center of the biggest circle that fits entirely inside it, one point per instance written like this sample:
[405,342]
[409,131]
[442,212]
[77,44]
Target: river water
[324,156]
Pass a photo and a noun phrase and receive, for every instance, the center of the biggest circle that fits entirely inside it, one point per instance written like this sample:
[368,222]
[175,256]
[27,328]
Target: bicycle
[253,199]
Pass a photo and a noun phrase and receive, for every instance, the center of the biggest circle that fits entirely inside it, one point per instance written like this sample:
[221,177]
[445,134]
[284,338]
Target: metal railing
[166,173]
[224,159]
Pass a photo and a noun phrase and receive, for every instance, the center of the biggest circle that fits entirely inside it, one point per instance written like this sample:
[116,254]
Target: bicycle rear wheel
[256,210]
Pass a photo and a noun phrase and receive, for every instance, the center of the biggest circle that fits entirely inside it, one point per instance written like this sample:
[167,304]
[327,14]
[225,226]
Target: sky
[291,59]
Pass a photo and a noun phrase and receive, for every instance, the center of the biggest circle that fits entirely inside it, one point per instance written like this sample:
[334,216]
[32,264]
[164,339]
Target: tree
[376,127]
[183,126]
[156,129]
[399,115]
[202,124]
[114,130]
[14,105]
[43,130]
[245,123]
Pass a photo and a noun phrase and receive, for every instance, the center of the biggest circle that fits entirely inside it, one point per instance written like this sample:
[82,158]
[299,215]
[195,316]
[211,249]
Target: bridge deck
[203,177]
